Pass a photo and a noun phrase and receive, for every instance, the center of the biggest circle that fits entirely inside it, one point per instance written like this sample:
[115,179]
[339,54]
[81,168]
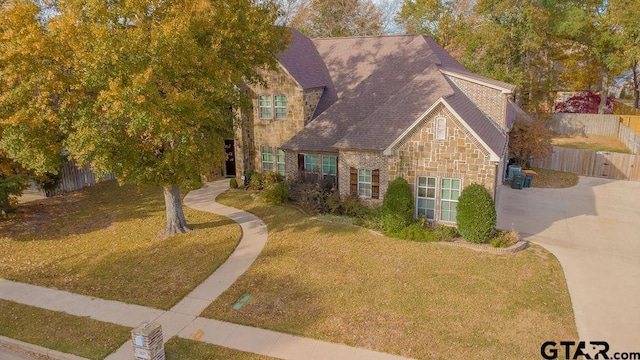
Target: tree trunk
[604,90]
[636,85]
[176,222]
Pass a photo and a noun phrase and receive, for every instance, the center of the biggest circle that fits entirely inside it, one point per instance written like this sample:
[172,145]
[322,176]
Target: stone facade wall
[369,160]
[491,101]
[311,100]
[459,156]
[253,132]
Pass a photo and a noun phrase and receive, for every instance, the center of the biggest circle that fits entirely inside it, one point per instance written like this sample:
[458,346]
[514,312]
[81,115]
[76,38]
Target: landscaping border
[519,246]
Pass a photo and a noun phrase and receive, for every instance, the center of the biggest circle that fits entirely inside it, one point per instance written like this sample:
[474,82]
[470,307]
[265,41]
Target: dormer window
[270,105]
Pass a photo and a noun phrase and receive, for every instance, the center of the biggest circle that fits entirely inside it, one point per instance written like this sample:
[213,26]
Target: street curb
[57,355]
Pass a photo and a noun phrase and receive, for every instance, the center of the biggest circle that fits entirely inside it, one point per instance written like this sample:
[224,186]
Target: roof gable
[381,85]
[497,139]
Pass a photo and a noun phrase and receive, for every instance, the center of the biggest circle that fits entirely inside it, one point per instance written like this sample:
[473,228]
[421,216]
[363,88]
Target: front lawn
[70,334]
[104,241]
[342,283]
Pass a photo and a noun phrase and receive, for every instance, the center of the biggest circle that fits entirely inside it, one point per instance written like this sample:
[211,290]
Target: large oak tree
[141,88]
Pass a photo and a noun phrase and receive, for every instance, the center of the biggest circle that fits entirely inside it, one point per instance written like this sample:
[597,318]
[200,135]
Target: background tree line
[541,46]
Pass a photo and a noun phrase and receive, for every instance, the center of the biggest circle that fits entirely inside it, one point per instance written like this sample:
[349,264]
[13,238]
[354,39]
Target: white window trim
[318,164]
[275,107]
[336,165]
[447,200]
[262,161]
[426,197]
[278,163]
[370,183]
[270,107]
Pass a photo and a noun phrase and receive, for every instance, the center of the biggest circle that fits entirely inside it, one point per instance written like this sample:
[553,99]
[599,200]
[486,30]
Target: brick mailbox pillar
[147,342]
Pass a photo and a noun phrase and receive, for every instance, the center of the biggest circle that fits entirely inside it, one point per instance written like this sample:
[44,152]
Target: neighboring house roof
[381,86]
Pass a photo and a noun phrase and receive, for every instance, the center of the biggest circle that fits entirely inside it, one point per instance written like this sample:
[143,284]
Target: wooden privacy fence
[592,163]
[631,121]
[73,178]
[586,124]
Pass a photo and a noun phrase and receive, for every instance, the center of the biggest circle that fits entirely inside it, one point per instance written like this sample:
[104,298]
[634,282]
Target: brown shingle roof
[302,61]
[380,86]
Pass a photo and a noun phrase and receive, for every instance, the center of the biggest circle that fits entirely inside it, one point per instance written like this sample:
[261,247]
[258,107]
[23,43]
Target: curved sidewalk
[182,320]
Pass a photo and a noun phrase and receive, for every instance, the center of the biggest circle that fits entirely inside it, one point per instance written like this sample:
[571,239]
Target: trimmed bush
[476,214]
[233,183]
[256,181]
[398,205]
[277,193]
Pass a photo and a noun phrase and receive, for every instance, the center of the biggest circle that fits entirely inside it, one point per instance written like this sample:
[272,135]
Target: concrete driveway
[594,230]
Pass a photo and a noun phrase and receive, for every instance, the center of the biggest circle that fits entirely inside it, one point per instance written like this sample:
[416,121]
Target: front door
[230,163]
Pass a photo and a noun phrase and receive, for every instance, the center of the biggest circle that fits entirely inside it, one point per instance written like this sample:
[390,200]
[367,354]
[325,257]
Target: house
[362,111]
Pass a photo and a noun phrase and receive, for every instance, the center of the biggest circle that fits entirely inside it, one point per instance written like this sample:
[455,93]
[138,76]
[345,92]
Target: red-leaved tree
[583,103]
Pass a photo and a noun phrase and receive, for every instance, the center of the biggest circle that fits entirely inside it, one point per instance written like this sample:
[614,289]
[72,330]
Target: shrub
[277,193]
[504,239]
[445,233]
[416,232]
[352,206]
[476,214]
[233,183]
[248,174]
[394,223]
[334,203]
[271,179]
[311,197]
[371,218]
[256,182]
[398,205]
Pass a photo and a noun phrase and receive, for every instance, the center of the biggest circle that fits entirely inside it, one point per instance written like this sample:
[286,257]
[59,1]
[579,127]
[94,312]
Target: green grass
[183,349]
[59,331]
[343,284]
[546,178]
[104,241]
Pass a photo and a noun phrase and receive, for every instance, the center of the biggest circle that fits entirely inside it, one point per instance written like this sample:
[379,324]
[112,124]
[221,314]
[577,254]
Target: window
[311,163]
[280,106]
[426,197]
[330,167]
[365,183]
[281,166]
[441,128]
[449,192]
[267,158]
[265,107]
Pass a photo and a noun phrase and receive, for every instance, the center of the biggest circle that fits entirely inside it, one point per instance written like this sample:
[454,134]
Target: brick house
[362,111]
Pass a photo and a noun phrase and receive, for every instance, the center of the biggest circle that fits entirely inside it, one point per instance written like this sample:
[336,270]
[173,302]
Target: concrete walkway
[592,229]
[182,320]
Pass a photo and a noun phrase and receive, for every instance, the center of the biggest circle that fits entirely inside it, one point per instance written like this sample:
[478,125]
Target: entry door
[230,163]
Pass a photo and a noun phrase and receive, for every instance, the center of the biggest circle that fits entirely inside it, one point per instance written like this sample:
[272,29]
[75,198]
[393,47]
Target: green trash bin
[518,180]
[528,178]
